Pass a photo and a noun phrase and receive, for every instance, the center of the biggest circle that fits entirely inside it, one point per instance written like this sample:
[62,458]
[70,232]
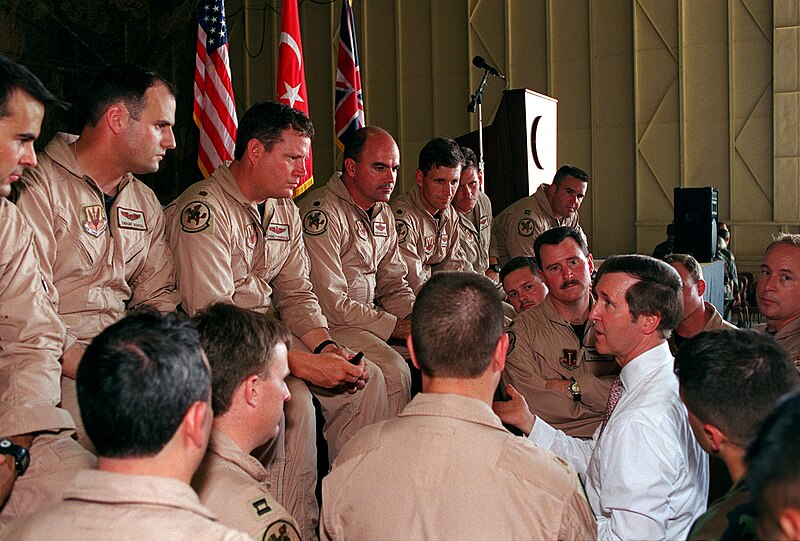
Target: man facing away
[144,391]
[553,205]
[445,468]
[645,475]
[38,456]
[356,267]
[730,381]
[99,230]
[247,352]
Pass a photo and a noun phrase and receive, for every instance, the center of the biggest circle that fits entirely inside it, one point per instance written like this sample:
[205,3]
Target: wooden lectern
[519,146]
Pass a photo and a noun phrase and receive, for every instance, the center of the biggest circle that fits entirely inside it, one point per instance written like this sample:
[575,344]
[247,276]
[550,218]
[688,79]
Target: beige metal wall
[653,94]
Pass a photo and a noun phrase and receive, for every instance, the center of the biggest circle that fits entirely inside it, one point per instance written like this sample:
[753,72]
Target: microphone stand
[476,102]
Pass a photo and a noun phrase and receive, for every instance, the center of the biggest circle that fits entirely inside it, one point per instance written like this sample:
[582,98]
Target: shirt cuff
[543,435]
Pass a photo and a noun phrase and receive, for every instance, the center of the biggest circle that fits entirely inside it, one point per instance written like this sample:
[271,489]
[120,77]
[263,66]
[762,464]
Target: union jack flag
[349,98]
[214,108]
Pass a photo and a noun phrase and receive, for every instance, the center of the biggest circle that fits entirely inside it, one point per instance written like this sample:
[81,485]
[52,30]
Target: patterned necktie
[613,398]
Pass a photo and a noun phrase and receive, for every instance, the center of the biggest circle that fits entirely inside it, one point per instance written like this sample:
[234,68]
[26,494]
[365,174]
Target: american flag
[349,99]
[214,108]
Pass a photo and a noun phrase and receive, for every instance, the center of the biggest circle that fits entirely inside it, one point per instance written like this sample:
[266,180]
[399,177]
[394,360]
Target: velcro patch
[430,242]
[250,235]
[131,219]
[402,230]
[93,219]
[195,217]
[590,355]
[569,359]
[484,222]
[260,507]
[380,229]
[443,239]
[315,222]
[525,227]
[361,230]
[280,530]
[278,232]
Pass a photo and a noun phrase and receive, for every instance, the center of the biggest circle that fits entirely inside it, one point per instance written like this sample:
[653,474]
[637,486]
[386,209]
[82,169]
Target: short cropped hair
[689,263]
[732,378]
[658,291]
[126,83]
[773,460]
[455,325]
[15,76]
[136,382]
[519,262]
[440,152]
[238,343]
[266,122]
[568,170]
[557,235]
[790,239]
[358,140]
[470,158]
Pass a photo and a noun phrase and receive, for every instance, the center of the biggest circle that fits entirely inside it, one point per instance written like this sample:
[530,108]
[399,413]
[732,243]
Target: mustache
[568,283]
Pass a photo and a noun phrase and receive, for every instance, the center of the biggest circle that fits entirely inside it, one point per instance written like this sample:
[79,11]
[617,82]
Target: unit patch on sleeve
[280,530]
[525,227]
[195,217]
[315,222]
[278,232]
[131,219]
[402,230]
[93,219]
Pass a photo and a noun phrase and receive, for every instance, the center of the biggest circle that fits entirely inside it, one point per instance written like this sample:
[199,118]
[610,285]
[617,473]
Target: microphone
[479,62]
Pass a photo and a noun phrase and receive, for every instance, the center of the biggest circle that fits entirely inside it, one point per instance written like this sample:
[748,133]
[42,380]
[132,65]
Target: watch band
[22,457]
[322,345]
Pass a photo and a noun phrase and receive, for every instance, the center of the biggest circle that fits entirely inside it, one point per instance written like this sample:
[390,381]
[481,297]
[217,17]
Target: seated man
[553,205]
[427,226]
[645,475]
[778,292]
[38,456]
[247,353]
[144,390]
[709,367]
[731,273]
[553,360]
[521,280]
[698,315]
[445,468]
[773,472]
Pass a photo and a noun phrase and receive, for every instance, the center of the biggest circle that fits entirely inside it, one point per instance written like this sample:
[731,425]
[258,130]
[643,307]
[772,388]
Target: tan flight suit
[32,336]
[516,228]
[716,322]
[426,244]
[101,505]
[101,266]
[788,337]
[359,278]
[445,468]
[544,346]
[224,252]
[233,485]
[475,233]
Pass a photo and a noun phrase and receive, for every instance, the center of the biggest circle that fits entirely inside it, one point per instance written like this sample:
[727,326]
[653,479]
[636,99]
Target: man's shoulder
[539,467]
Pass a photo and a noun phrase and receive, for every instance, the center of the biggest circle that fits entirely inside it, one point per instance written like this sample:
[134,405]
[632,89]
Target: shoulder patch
[94,221]
[315,222]
[512,341]
[280,530]
[260,507]
[402,230]
[195,217]
[525,227]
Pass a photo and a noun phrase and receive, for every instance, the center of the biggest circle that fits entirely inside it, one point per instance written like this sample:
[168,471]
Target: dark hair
[731,379]
[658,291]
[688,262]
[136,381]
[358,140]
[15,76]
[456,323]
[470,158]
[557,235]
[671,229]
[724,233]
[568,170]
[238,343]
[126,83]
[266,122]
[440,152]
[773,459]
[519,262]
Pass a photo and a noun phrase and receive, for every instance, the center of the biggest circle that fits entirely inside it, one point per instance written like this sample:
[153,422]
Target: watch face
[22,457]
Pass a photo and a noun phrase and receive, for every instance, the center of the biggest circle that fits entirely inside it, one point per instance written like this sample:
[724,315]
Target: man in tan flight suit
[99,230]
[237,238]
[356,267]
[522,282]
[464,476]
[778,292]
[553,205]
[247,352]
[552,360]
[144,389]
[32,335]
[698,315]
[427,226]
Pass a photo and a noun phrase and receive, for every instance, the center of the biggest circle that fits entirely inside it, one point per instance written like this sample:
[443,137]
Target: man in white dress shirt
[645,475]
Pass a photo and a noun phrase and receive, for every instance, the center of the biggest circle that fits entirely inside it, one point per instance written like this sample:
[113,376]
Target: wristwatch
[496,268]
[22,457]
[575,389]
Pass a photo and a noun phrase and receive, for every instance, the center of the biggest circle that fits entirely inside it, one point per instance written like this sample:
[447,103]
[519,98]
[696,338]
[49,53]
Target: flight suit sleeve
[594,390]
[521,231]
[577,519]
[410,241]
[324,249]
[154,283]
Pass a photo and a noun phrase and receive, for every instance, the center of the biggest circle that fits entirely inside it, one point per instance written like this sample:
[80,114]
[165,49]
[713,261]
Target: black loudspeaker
[696,222]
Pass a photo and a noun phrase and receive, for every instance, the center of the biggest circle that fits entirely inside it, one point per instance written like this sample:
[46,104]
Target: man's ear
[194,423]
[701,287]
[419,176]
[349,166]
[500,352]
[254,150]
[789,521]
[410,345]
[116,116]
[715,436]
[248,388]
[649,322]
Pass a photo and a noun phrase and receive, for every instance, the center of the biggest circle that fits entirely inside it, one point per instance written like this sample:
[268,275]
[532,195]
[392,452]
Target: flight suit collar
[61,149]
[227,182]
[224,447]
[544,203]
[454,406]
